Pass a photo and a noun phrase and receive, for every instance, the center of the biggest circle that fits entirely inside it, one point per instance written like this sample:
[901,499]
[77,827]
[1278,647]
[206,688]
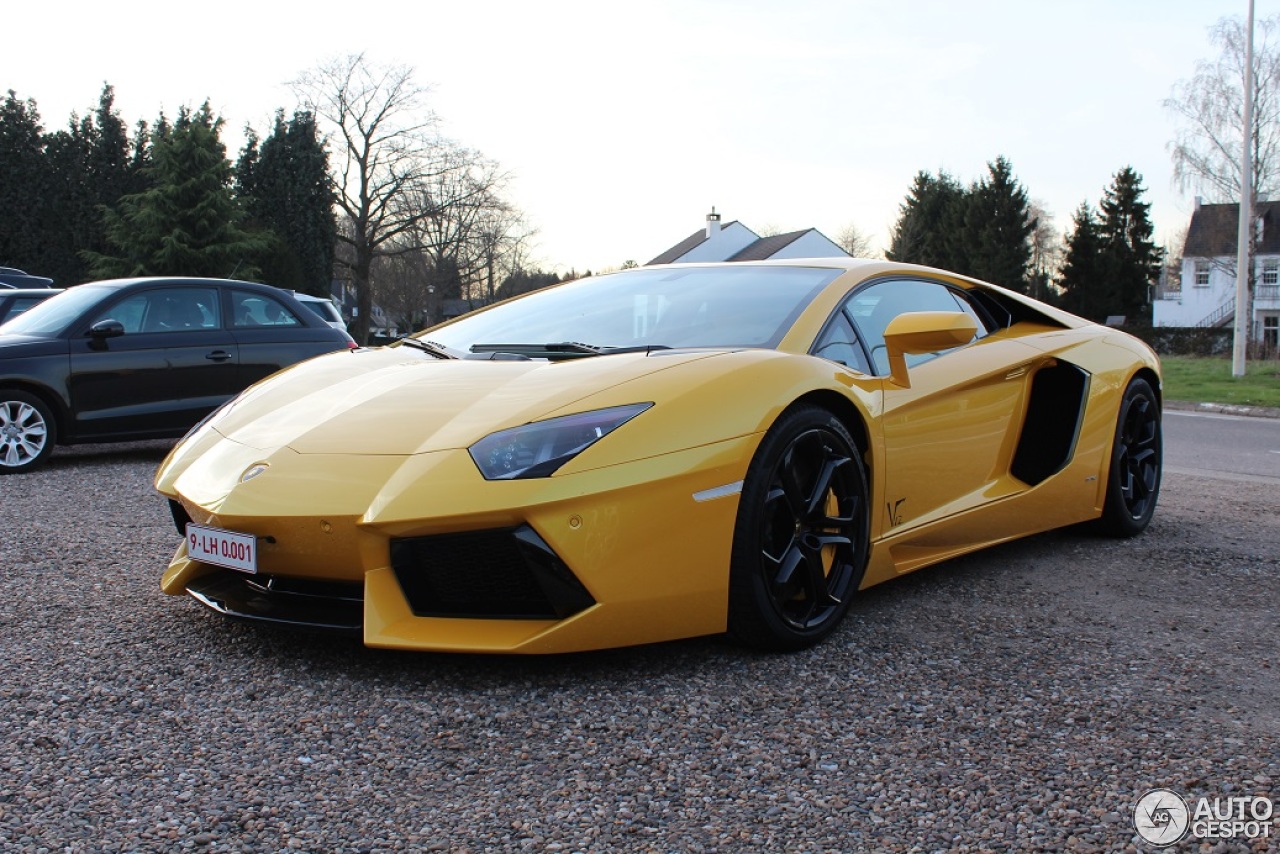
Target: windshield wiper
[562,349]
[427,347]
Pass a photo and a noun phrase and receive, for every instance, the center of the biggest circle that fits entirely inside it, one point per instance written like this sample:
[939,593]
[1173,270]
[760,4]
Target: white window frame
[1200,274]
[1270,271]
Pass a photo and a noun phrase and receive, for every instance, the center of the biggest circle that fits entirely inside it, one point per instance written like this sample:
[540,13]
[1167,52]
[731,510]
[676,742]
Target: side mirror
[924,332]
[106,329]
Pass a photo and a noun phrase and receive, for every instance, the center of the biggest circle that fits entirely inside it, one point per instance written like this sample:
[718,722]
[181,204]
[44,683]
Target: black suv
[142,359]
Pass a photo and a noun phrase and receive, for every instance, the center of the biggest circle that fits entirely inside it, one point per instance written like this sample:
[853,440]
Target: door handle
[218,356]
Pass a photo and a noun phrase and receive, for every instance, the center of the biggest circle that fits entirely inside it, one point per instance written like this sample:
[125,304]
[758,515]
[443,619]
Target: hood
[13,344]
[399,401]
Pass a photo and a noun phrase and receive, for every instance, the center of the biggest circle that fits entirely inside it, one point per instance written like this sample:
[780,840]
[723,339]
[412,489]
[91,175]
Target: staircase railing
[1221,315]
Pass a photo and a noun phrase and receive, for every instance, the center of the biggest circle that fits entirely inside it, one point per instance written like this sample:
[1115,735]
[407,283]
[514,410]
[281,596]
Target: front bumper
[616,556]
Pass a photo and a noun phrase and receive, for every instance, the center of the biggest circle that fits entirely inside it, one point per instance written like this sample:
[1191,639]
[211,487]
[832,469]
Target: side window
[873,307]
[970,309]
[251,310]
[166,310]
[839,343]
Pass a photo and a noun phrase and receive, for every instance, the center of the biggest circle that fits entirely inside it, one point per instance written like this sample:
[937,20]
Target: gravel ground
[1018,699]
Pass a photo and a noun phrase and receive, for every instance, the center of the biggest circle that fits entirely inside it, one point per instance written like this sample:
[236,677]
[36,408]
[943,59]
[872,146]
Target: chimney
[713,223]
[1199,201]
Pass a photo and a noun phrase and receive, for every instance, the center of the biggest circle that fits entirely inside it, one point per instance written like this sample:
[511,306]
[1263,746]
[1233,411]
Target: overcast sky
[624,123]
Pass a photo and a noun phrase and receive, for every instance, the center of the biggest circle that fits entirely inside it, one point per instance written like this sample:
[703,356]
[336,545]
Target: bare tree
[1046,252]
[1210,109]
[472,235]
[1206,152]
[397,282]
[852,240]
[387,143]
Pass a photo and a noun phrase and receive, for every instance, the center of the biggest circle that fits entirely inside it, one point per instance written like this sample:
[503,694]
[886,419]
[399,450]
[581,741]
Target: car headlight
[540,448]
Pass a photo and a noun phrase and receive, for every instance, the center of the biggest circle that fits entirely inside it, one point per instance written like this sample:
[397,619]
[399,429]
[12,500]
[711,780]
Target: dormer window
[1270,271]
[1202,274]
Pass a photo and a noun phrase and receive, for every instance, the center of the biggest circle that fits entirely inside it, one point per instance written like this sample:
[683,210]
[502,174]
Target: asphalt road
[1214,445]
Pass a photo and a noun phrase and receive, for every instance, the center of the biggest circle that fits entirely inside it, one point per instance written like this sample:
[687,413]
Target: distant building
[735,242]
[1205,292]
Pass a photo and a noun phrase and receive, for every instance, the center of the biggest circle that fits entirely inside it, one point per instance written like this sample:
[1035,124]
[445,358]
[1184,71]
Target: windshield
[740,306]
[55,314]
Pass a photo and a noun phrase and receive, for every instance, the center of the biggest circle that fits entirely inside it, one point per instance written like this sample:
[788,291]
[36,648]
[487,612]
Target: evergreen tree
[24,178]
[284,185]
[927,231]
[186,222]
[998,226]
[1130,257]
[982,231]
[93,166]
[1083,280]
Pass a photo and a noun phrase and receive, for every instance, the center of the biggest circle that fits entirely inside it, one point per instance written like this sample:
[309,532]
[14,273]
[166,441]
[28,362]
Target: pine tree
[186,222]
[928,223]
[983,230]
[284,185]
[1130,257]
[24,178]
[997,229]
[93,167]
[1083,280]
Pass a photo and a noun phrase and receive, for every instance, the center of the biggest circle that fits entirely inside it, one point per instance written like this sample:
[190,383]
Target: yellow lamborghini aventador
[661,453]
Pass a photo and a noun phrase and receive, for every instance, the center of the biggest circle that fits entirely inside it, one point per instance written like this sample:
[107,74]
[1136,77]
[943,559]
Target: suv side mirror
[924,332]
[106,329]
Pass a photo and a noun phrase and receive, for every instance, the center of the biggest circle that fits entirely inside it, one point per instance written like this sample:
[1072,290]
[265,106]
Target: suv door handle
[218,356]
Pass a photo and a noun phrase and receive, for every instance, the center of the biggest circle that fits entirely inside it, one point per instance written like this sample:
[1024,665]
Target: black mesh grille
[509,573]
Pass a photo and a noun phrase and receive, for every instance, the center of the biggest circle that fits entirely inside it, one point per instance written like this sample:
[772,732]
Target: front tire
[27,432]
[800,541]
[1133,480]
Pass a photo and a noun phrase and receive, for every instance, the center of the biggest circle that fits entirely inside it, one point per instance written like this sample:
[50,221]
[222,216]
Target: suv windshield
[740,306]
[52,316]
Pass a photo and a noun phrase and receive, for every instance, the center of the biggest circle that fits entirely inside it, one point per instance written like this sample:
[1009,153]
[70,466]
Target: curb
[1223,409]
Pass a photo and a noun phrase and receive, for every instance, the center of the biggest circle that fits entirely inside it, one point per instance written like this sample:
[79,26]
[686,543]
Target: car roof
[177,280]
[30,292]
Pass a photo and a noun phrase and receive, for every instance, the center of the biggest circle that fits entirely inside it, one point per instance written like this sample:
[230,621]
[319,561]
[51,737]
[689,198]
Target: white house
[1205,293]
[735,242]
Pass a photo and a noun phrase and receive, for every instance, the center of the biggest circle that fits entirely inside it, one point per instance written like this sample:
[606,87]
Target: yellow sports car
[661,453]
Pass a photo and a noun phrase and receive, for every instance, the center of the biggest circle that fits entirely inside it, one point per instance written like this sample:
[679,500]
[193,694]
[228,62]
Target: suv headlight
[540,448]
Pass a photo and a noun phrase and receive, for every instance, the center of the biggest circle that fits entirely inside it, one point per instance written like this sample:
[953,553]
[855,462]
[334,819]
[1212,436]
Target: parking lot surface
[1020,698]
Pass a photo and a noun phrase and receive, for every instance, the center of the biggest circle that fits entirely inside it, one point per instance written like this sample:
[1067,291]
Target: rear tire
[27,432]
[800,541]
[1133,479]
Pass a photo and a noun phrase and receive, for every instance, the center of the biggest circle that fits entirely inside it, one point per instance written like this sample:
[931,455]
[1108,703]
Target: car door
[950,434]
[174,363]
[270,335]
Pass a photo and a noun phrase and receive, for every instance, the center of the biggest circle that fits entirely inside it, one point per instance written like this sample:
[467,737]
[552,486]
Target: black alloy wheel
[1133,482]
[800,544]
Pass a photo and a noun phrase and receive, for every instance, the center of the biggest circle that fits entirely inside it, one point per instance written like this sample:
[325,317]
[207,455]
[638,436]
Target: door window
[166,310]
[873,307]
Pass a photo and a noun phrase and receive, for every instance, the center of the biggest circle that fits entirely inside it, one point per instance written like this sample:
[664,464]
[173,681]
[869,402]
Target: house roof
[1214,229]
[765,247]
[678,251]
